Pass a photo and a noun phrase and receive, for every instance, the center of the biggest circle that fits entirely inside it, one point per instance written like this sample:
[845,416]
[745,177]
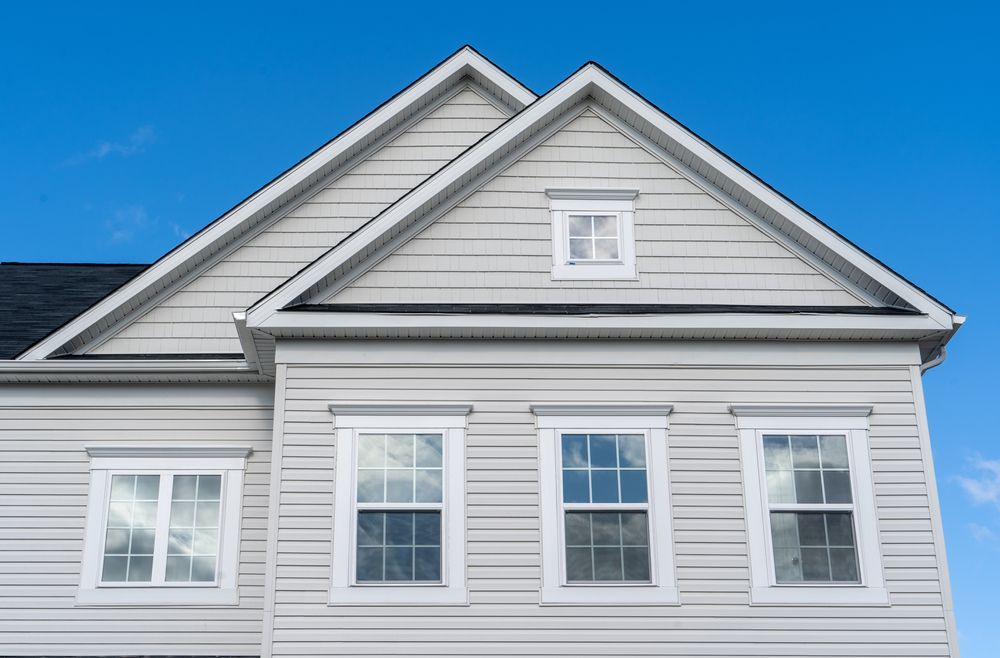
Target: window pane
[812,529]
[776,453]
[633,486]
[580,226]
[840,529]
[371,486]
[408,550]
[574,451]
[131,528]
[780,487]
[607,546]
[808,487]
[428,483]
[399,486]
[579,565]
[399,450]
[834,451]
[576,487]
[371,450]
[784,530]
[837,485]
[631,451]
[193,544]
[787,565]
[581,249]
[428,451]
[606,249]
[603,451]
[815,564]
[805,452]
[606,226]
[844,565]
[604,486]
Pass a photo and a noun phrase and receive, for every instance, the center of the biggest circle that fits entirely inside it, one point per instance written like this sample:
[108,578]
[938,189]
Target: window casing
[163,526]
[593,234]
[399,505]
[811,519]
[606,532]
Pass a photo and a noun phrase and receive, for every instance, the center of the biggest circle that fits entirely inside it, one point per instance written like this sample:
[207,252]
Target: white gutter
[128,366]
[936,361]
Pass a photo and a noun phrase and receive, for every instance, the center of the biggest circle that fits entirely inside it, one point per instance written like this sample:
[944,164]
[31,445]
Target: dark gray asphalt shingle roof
[38,298]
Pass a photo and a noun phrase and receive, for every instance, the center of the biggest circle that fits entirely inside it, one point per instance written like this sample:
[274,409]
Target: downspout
[936,361]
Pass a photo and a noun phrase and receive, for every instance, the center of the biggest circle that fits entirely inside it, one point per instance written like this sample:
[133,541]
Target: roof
[38,298]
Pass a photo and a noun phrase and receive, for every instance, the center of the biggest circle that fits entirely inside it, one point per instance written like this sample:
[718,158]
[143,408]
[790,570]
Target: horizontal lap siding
[44,481]
[503,516]
[199,317]
[496,246]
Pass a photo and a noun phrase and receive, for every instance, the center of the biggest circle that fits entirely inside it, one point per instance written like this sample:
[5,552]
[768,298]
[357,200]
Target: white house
[489,373]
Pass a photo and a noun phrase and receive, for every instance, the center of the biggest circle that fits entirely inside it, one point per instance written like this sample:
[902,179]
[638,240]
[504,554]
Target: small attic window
[593,233]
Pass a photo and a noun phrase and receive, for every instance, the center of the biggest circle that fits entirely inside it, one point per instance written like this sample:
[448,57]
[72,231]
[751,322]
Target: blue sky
[124,128]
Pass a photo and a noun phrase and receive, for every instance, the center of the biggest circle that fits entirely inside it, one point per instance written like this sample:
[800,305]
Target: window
[163,525]
[810,505]
[605,504]
[593,233]
[400,504]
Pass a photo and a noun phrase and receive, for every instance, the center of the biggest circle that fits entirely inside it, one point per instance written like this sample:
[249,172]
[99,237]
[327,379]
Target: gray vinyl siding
[44,479]
[198,317]
[495,246]
[504,618]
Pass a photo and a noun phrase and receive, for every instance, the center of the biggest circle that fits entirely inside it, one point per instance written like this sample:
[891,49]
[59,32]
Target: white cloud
[985,486]
[137,142]
[981,533]
[125,223]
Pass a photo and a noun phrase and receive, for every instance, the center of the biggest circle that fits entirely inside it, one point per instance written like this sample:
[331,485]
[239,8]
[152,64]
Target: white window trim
[228,461]
[753,421]
[651,420]
[450,420]
[585,201]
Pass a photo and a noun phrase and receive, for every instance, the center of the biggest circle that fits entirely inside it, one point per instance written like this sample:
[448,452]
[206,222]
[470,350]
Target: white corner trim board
[165,463]
[446,420]
[753,422]
[647,421]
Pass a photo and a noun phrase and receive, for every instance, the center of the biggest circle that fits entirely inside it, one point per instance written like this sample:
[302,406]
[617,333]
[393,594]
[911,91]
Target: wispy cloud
[981,533]
[179,231]
[137,142]
[984,487]
[126,223]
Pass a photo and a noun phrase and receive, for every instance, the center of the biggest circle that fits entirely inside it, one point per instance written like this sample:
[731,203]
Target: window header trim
[591,193]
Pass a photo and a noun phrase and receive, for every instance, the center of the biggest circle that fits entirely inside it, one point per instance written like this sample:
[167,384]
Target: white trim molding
[851,421]
[166,462]
[650,421]
[448,420]
[590,193]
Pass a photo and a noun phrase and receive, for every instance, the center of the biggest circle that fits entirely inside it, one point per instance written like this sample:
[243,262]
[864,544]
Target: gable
[198,317]
[496,245]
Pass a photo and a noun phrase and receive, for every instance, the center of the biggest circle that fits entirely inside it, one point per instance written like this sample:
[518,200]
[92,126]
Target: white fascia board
[412,201]
[769,197]
[580,84]
[291,320]
[465,61]
[127,366]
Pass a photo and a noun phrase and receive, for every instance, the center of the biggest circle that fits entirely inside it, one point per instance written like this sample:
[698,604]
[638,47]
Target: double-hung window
[163,525]
[593,233]
[810,504]
[399,518]
[605,504]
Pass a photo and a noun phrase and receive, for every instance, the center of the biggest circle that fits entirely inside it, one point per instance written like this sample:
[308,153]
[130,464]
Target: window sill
[399,595]
[595,272]
[158,596]
[609,595]
[819,596]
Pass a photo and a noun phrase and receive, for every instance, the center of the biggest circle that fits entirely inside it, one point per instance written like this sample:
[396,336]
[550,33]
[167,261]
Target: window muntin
[810,508]
[605,498]
[399,508]
[162,528]
[594,238]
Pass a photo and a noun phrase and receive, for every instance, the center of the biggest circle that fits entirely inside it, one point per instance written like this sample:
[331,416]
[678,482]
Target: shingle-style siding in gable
[495,246]
[198,318]
[501,380]
[44,480]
